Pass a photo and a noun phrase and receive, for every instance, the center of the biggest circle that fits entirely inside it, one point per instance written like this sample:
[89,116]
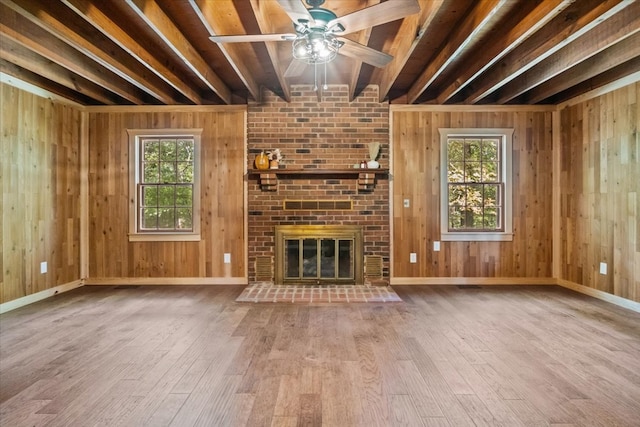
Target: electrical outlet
[413,258]
[436,246]
[43,267]
[407,203]
[227,258]
[603,268]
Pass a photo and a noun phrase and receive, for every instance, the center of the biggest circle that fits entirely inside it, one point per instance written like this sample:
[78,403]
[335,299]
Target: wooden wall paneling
[9,180]
[23,184]
[634,211]
[222,200]
[599,192]
[66,129]
[84,195]
[409,132]
[225,154]
[416,173]
[40,193]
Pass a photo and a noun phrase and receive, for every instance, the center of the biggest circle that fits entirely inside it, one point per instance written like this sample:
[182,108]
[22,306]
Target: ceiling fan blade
[364,53]
[296,10]
[244,38]
[295,68]
[375,15]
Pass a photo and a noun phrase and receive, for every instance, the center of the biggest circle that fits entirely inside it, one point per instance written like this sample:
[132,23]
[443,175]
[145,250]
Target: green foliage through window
[166,184]
[475,184]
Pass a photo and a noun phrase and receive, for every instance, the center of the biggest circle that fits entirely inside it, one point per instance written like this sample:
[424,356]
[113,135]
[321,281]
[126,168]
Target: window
[476,184]
[164,184]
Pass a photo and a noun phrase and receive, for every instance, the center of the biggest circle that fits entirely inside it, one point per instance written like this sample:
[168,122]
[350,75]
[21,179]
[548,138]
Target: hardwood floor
[446,356]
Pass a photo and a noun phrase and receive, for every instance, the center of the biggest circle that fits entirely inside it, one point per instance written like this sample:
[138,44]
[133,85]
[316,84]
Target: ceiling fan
[318,32]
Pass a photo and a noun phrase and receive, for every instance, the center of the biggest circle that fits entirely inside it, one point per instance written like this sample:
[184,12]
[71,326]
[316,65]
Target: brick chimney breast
[333,134]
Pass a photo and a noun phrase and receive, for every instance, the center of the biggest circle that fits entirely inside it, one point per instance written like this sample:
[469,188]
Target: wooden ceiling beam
[629,70]
[17,28]
[409,35]
[614,30]
[578,19]
[265,19]
[105,25]
[473,24]
[11,72]
[504,42]
[362,37]
[356,68]
[624,52]
[451,52]
[114,60]
[167,31]
[16,58]
[206,11]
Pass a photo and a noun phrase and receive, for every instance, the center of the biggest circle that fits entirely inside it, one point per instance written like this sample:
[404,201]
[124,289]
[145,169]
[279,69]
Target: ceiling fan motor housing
[321,18]
[317,44]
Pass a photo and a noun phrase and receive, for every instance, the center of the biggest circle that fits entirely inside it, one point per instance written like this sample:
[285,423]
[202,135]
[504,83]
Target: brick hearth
[333,133]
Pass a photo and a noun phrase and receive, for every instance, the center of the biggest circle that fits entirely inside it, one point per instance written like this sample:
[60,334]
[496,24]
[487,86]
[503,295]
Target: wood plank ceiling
[145,52]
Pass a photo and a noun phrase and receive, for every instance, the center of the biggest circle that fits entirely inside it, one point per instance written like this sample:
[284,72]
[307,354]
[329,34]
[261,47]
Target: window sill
[476,237]
[164,237]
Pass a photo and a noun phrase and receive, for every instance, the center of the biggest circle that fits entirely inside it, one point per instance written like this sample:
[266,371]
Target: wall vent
[373,266]
[264,268]
[326,205]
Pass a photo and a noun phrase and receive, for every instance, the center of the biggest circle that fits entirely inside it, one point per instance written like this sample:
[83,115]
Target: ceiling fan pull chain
[325,86]
[315,76]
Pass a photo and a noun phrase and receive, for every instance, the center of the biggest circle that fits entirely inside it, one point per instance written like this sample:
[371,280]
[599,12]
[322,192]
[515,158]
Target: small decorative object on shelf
[363,164]
[374,150]
[262,161]
[274,158]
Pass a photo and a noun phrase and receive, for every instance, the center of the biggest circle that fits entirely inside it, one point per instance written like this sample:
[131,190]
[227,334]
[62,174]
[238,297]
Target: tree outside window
[476,184]
[166,188]
[164,184]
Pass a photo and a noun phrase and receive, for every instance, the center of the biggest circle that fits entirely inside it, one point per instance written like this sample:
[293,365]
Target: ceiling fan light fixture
[316,48]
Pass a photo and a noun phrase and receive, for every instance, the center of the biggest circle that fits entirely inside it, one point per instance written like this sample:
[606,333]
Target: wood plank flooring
[445,356]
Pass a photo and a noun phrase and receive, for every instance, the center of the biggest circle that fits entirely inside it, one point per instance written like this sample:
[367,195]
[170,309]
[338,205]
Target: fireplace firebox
[318,254]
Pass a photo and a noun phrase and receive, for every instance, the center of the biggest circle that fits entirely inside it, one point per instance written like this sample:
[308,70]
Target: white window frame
[135,137]
[506,137]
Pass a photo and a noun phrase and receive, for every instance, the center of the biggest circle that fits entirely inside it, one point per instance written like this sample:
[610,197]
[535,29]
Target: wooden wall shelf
[350,171]
[366,177]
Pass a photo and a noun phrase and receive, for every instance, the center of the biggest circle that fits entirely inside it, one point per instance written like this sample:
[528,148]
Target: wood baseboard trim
[605,296]
[473,281]
[30,299]
[110,281]
[487,281]
[38,296]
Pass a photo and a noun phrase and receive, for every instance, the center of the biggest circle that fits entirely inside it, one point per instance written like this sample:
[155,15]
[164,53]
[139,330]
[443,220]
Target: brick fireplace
[316,185]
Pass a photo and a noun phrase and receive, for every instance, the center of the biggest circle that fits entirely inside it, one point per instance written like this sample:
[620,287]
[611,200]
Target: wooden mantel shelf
[350,171]
[366,177]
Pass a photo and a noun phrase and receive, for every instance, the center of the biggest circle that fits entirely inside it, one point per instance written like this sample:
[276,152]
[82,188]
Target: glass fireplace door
[318,254]
[319,259]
